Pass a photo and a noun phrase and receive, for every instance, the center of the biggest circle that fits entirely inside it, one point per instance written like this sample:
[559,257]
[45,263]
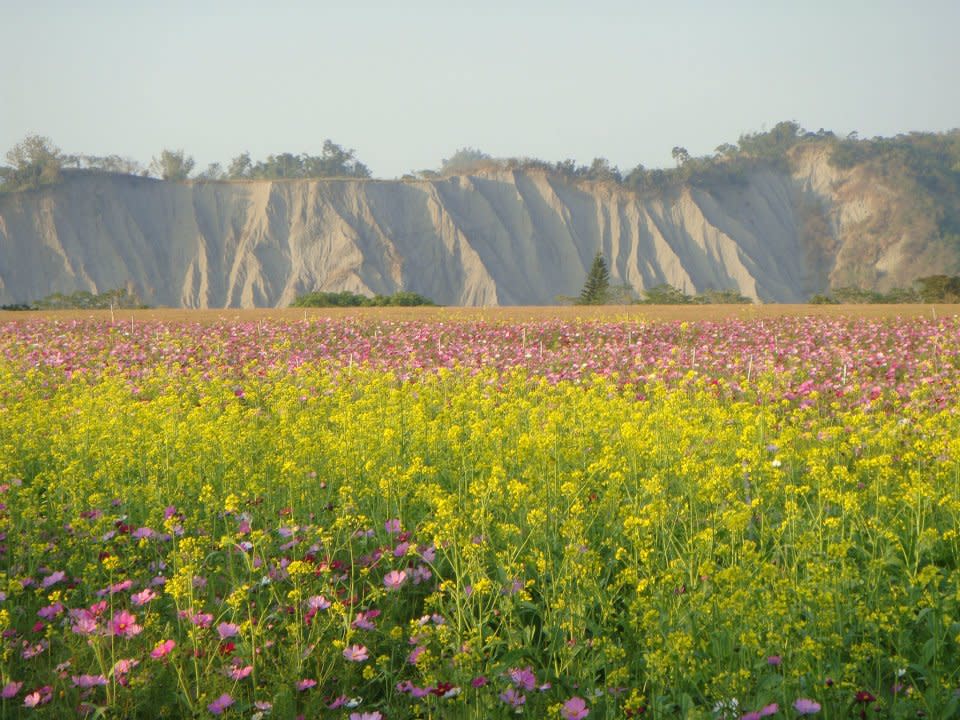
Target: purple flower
[306,684]
[512,698]
[88,681]
[220,704]
[227,630]
[804,706]
[53,578]
[575,709]
[10,690]
[392,526]
[524,678]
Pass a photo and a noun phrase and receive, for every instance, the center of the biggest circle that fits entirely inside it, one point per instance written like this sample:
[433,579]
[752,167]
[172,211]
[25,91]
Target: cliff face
[504,238]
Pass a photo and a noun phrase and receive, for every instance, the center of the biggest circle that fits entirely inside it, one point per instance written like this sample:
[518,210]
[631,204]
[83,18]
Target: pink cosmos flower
[40,696]
[84,623]
[227,630]
[575,709]
[124,665]
[220,704]
[394,579]
[765,711]
[355,653]
[202,619]
[88,681]
[239,673]
[162,649]
[124,624]
[306,684]
[10,690]
[364,620]
[143,597]
[317,602]
[805,706]
[375,715]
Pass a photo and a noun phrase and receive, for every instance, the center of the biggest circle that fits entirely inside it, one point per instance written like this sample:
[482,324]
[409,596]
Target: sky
[406,84]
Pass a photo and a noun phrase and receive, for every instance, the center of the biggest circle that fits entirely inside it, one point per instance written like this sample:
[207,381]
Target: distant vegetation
[597,290]
[669,295]
[930,289]
[929,160]
[36,161]
[346,298]
[83,300]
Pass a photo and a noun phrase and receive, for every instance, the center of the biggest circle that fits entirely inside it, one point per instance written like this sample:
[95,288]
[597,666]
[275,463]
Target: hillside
[778,231]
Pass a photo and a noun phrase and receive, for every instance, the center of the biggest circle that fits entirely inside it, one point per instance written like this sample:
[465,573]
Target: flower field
[369,520]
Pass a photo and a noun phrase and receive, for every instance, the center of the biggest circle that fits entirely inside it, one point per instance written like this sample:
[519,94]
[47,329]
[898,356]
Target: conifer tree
[596,290]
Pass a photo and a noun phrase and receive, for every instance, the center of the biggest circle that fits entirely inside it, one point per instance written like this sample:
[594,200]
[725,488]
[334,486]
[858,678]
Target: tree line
[36,161]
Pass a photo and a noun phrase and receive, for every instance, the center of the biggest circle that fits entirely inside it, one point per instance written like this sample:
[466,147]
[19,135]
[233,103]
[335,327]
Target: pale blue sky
[407,83]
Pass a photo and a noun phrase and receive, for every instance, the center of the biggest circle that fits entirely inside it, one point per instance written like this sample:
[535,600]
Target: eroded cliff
[499,238]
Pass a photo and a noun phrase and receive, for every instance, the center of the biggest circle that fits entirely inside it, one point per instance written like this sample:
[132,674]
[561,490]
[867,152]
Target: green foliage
[939,288]
[120,298]
[464,160]
[345,298]
[334,161]
[721,297]
[666,294]
[929,289]
[596,289]
[35,161]
[172,165]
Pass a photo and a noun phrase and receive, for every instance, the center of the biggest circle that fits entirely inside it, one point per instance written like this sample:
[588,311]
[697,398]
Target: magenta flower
[392,526]
[124,624]
[768,710]
[805,706]
[394,579]
[10,690]
[575,709]
[306,684]
[227,630]
[162,649]
[355,653]
[220,704]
